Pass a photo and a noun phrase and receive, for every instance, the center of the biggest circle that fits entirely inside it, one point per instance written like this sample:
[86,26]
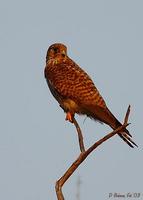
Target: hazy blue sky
[36,143]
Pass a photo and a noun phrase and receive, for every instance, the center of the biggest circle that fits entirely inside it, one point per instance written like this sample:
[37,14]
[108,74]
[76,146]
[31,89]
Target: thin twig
[127,115]
[80,136]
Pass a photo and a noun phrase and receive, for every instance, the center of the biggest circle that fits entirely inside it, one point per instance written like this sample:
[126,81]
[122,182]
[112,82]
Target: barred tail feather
[104,115]
[127,139]
[126,136]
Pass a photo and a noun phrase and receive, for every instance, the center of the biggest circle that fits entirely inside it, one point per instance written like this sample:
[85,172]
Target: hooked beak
[63,52]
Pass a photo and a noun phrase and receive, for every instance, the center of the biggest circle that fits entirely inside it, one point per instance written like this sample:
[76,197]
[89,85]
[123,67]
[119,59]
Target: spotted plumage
[75,91]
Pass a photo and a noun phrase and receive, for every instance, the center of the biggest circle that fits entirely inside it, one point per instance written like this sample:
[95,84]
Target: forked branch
[84,153]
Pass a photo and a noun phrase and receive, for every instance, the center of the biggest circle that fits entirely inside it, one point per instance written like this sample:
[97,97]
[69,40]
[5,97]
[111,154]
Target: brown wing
[68,80]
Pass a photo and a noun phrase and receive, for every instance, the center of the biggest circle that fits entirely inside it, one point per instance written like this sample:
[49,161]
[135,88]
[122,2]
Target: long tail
[104,115]
[127,139]
[126,136]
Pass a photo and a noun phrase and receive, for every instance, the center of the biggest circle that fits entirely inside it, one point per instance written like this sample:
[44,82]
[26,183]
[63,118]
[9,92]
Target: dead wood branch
[80,136]
[84,153]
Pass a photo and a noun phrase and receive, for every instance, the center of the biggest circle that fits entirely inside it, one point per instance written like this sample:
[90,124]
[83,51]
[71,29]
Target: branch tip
[127,115]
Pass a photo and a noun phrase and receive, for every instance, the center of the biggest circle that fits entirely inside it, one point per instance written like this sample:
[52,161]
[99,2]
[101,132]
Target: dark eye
[55,50]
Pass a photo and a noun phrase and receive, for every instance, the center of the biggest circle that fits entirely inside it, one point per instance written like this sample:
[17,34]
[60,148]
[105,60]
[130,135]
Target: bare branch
[80,136]
[84,153]
[127,115]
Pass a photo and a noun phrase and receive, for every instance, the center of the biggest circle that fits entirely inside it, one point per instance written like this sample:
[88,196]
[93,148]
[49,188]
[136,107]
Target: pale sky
[37,145]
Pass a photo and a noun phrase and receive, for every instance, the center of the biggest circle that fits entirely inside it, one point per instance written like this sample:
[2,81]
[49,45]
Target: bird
[75,91]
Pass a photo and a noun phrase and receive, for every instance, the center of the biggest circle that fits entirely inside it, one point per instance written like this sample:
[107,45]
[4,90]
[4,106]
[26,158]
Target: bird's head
[56,50]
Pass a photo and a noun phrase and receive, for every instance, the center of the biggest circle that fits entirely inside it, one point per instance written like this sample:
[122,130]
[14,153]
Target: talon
[69,117]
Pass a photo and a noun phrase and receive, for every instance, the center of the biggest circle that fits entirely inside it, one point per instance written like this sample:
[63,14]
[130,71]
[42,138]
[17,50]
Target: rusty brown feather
[75,91]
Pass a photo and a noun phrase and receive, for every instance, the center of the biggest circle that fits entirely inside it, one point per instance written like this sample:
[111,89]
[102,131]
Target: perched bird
[75,91]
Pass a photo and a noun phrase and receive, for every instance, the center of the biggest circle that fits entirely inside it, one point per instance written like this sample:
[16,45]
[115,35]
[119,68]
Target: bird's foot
[69,117]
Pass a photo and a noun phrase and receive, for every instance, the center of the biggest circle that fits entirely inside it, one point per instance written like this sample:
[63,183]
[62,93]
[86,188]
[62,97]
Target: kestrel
[75,91]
